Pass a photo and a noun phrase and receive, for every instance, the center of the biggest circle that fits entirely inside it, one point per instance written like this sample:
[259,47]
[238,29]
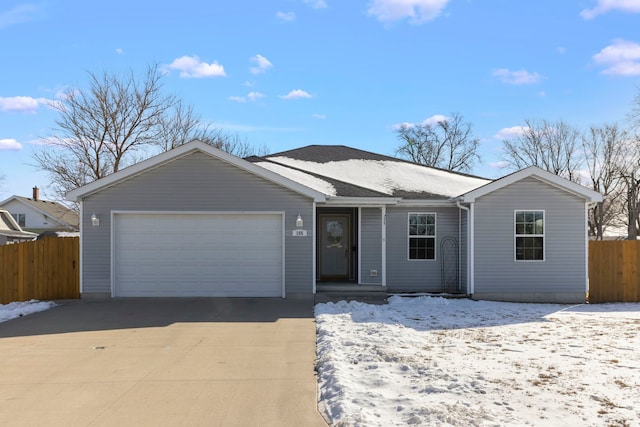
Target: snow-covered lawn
[435,361]
[18,309]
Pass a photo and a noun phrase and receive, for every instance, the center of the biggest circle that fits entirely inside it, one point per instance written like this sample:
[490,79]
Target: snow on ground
[18,309]
[457,362]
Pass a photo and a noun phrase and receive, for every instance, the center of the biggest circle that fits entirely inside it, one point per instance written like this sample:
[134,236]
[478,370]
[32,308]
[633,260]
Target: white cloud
[18,15]
[296,94]
[517,77]
[429,121]
[24,104]
[10,145]
[561,50]
[251,96]
[193,67]
[254,96]
[262,64]
[621,58]
[319,116]
[512,132]
[317,4]
[119,51]
[604,6]
[434,120]
[417,11]
[286,16]
[500,164]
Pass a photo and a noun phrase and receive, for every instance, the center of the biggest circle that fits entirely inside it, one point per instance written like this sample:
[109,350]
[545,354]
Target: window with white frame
[20,219]
[422,236]
[529,235]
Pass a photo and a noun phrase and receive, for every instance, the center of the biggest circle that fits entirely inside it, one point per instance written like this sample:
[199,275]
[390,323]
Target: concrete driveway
[161,362]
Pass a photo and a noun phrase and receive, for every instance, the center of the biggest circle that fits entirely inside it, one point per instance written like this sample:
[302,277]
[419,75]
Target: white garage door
[238,255]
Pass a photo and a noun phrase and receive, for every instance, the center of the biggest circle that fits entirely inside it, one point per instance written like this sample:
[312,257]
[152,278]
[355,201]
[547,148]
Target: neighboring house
[10,231]
[36,215]
[196,221]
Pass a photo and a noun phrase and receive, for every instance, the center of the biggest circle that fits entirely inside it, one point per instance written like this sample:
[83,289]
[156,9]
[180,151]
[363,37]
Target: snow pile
[433,361]
[303,178]
[19,309]
[386,176]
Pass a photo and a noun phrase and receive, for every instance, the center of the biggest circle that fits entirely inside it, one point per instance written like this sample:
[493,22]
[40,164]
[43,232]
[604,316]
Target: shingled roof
[343,171]
[54,210]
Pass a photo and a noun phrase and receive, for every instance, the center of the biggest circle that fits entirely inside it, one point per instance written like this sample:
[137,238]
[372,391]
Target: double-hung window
[422,236]
[20,219]
[529,235]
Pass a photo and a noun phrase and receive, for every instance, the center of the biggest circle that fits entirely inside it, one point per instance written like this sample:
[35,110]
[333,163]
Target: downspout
[586,249]
[469,245]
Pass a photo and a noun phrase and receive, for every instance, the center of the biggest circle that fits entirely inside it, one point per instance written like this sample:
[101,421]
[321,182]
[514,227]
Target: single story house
[11,232]
[196,221]
[37,215]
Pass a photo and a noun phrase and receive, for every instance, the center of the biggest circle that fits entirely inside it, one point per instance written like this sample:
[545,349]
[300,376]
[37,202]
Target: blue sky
[285,74]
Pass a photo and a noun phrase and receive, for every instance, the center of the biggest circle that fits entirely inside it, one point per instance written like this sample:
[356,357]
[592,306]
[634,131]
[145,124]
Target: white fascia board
[8,200]
[428,203]
[534,172]
[361,201]
[181,151]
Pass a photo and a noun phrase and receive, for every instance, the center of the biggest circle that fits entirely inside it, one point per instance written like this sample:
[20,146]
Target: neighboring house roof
[341,171]
[10,228]
[539,174]
[184,150]
[54,210]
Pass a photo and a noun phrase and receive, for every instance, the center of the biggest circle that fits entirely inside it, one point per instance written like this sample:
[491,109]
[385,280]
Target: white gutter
[360,201]
[470,244]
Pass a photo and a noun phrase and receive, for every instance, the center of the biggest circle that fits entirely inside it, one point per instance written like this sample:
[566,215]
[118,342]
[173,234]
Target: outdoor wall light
[299,221]
[95,221]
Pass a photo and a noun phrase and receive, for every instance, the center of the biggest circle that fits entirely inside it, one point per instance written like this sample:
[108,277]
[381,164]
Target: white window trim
[543,235]
[434,237]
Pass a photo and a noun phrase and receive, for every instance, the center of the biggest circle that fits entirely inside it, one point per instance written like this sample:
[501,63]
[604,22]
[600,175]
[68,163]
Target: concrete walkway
[161,362]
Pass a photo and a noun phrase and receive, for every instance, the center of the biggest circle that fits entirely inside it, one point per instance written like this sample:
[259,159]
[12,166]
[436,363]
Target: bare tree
[449,144]
[552,146]
[115,122]
[607,154]
[182,125]
[634,115]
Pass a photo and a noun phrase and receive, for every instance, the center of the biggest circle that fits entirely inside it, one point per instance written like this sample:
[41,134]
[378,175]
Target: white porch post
[472,263]
[383,210]
[313,250]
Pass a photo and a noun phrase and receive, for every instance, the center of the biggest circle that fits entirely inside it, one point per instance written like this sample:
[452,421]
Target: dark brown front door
[335,244]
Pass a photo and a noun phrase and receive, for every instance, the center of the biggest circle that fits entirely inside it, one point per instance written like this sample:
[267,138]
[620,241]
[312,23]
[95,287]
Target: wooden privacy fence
[43,269]
[614,273]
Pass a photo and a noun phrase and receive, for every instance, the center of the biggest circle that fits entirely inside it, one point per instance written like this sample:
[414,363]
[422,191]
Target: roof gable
[181,151]
[537,173]
[54,210]
[9,227]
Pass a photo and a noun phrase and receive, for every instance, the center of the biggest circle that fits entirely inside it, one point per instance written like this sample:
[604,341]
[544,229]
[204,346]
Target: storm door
[335,247]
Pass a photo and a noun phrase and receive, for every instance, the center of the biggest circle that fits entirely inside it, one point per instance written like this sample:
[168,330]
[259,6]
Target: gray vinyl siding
[196,182]
[370,245]
[561,276]
[404,275]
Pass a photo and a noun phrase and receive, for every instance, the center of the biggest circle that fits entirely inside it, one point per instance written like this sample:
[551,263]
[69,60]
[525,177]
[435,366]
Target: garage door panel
[198,255]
